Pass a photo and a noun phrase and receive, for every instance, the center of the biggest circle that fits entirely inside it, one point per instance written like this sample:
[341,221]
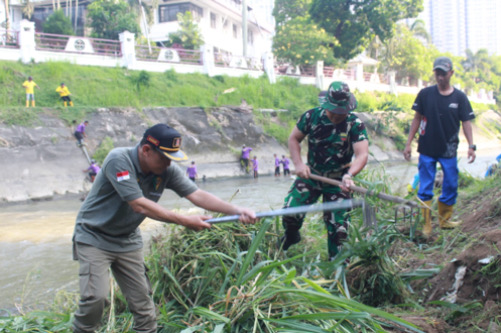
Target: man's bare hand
[303,171]
[196,222]
[407,153]
[347,182]
[247,216]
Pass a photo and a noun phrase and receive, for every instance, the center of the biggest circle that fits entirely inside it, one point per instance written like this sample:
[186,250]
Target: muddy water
[35,238]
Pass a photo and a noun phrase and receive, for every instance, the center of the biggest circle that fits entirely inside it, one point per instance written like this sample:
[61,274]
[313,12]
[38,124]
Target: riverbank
[43,162]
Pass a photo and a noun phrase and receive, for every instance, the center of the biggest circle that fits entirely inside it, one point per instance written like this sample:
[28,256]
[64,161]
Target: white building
[221,25]
[220,21]
[458,25]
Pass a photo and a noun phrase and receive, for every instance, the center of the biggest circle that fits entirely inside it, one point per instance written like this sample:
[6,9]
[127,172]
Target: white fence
[27,45]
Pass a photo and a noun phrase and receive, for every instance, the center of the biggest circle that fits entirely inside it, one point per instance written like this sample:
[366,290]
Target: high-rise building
[458,25]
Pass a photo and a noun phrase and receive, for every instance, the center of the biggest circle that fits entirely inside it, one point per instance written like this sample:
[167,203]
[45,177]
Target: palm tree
[478,64]
[7,16]
[418,29]
[28,9]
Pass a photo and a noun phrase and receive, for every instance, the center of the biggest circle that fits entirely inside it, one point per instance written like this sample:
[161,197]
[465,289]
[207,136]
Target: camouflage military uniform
[330,151]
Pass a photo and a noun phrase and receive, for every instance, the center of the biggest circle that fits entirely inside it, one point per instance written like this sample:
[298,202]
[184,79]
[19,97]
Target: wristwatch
[474,147]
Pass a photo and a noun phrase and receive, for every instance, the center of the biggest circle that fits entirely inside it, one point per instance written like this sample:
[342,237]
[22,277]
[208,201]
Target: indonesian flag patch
[122,175]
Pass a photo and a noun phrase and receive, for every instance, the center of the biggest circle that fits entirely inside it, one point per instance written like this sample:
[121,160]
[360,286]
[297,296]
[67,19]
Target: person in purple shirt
[80,132]
[285,161]
[191,172]
[92,170]
[277,165]
[255,166]
[244,159]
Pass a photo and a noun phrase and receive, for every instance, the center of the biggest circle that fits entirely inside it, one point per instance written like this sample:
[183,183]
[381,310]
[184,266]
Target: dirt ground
[470,278]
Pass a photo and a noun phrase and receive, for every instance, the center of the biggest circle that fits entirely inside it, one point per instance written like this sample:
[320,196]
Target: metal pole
[334,205]
[244,28]
[145,24]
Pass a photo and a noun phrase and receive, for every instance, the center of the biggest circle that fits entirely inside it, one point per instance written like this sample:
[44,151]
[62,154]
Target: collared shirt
[106,220]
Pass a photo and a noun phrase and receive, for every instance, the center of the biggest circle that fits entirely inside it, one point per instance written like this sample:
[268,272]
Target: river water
[35,238]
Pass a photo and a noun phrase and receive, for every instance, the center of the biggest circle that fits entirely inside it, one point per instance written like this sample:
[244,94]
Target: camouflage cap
[339,99]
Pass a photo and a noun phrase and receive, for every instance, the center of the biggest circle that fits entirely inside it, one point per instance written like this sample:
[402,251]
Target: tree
[407,55]
[285,10]
[7,15]
[300,42]
[418,29]
[189,36]
[109,18]
[58,23]
[477,63]
[354,23]
[28,9]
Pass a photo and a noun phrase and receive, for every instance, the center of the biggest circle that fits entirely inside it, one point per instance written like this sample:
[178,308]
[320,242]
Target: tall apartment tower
[458,25]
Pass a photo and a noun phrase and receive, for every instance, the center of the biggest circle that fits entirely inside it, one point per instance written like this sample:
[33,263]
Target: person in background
[107,234]
[493,167]
[29,85]
[80,132]
[92,170]
[255,166]
[439,111]
[191,171]
[64,93]
[413,187]
[244,159]
[277,165]
[285,162]
[335,136]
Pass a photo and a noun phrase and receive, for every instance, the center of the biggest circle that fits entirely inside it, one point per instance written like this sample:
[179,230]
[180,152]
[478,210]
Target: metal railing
[329,71]
[9,39]
[174,55]
[58,43]
[225,59]
[308,70]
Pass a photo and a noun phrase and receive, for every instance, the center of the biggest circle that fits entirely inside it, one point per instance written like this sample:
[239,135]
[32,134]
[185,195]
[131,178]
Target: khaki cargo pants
[130,273]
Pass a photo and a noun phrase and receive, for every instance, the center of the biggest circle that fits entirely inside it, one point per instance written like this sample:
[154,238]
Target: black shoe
[289,239]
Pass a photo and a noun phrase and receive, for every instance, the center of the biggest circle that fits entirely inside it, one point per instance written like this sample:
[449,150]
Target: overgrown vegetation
[233,279]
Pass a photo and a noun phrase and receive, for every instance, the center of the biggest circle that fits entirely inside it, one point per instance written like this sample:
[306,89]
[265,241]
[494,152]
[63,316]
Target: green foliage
[375,279]
[58,23]
[354,23]
[102,151]
[407,56]
[285,10]
[300,41]
[141,80]
[189,36]
[19,116]
[203,273]
[109,18]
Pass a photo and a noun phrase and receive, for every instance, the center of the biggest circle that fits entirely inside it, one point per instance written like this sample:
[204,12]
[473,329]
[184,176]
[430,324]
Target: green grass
[95,87]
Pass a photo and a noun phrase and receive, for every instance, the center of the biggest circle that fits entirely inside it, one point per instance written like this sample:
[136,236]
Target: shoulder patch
[123,175]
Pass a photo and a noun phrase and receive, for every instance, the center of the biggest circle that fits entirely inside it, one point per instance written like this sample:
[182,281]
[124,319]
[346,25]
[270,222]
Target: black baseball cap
[443,63]
[166,140]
